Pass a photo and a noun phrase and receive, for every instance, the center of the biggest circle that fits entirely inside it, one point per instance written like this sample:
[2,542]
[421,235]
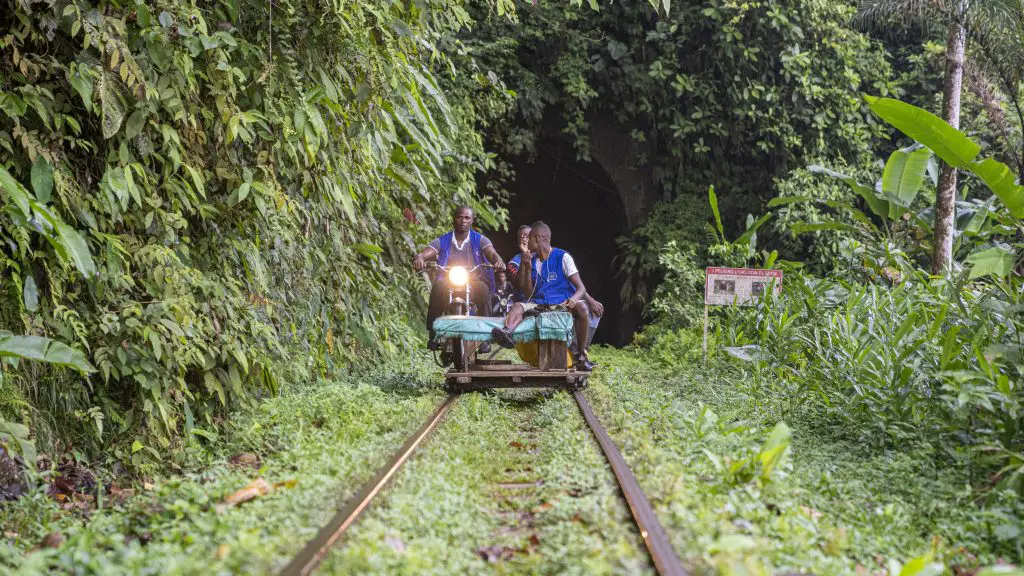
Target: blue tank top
[551,286]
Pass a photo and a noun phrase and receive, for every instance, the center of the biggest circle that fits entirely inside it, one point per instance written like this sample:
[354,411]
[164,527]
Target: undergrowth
[697,443]
[314,445]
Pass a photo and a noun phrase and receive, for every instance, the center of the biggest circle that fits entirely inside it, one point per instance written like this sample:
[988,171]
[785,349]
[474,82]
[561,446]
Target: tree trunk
[945,201]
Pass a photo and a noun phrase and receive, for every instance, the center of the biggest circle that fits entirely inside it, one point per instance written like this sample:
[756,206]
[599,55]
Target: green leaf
[877,204]
[995,261]
[17,192]
[775,448]
[43,349]
[136,446]
[947,142]
[1002,181]
[111,110]
[748,235]
[713,200]
[76,248]
[30,294]
[904,174]
[42,179]
[368,250]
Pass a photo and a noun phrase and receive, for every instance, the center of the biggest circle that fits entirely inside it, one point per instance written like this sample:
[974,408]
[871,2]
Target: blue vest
[551,286]
[478,256]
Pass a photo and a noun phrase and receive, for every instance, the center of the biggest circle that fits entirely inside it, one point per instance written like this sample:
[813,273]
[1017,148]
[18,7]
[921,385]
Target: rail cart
[542,340]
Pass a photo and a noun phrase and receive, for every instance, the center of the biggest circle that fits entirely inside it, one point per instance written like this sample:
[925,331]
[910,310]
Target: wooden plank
[551,355]
[500,367]
[567,381]
[498,374]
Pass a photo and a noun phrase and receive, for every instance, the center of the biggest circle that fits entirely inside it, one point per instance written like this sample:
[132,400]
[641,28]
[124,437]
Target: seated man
[516,261]
[465,247]
[596,308]
[557,287]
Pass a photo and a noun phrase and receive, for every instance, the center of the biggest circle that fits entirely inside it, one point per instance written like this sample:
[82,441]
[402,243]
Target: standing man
[465,247]
[551,282]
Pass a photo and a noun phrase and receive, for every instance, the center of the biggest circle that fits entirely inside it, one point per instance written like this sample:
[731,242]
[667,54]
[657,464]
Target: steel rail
[664,556]
[313,553]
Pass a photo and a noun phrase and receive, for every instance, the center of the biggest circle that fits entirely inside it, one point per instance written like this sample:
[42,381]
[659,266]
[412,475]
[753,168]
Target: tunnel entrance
[578,200]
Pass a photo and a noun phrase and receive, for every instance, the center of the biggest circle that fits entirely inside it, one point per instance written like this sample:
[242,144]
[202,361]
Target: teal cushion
[546,326]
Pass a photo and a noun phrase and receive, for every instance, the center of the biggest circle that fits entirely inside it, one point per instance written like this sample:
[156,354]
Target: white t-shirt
[568,266]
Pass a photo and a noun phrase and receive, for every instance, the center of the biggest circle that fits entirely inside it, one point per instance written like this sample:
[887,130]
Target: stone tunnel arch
[586,213]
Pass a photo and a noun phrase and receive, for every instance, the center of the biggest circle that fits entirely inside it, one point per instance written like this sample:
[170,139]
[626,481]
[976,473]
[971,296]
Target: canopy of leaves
[204,197]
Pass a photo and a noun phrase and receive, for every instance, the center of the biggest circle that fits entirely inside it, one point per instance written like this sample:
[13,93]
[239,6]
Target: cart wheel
[459,354]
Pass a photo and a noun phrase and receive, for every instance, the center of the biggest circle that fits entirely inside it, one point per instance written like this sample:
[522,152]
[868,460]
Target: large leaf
[953,146]
[1001,180]
[15,191]
[903,176]
[713,199]
[42,179]
[43,349]
[76,248]
[877,204]
[947,142]
[749,235]
[30,294]
[995,261]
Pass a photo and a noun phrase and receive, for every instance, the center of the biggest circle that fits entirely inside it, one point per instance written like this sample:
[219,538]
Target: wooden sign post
[736,287]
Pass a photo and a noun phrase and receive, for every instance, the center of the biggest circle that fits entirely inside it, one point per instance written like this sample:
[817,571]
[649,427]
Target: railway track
[663,556]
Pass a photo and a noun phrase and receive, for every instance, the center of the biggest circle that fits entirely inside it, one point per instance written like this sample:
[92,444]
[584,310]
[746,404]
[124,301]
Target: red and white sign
[739,286]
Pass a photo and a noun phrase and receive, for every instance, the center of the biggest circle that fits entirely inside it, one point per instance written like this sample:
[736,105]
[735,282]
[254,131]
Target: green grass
[832,507]
[454,503]
[328,438]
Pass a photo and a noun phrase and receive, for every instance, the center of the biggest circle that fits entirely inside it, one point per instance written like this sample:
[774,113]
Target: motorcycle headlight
[458,276]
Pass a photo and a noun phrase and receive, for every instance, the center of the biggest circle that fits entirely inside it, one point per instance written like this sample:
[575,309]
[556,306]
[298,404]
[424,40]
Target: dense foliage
[205,197]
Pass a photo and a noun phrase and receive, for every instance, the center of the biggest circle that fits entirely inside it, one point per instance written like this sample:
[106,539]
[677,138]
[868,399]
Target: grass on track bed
[446,512]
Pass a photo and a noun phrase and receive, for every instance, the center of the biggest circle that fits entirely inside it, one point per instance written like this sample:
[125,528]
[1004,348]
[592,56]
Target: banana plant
[998,258]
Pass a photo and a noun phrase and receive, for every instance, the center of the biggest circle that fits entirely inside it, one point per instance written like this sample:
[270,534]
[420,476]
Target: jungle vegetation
[204,202]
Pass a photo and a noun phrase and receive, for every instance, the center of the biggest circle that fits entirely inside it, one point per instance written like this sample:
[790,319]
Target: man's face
[534,241]
[524,236]
[463,220]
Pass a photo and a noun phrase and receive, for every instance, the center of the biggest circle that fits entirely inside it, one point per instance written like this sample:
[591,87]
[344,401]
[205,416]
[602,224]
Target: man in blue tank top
[465,247]
[550,282]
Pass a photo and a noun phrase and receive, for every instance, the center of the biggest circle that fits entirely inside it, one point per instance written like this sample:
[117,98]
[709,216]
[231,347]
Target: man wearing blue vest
[551,282]
[465,247]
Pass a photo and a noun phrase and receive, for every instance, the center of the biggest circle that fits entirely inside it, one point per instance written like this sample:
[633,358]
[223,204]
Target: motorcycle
[453,350]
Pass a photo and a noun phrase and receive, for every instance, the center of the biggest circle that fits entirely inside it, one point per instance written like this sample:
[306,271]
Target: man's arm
[524,279]
[596,307]
[581,291]
[492,256]
[421,259]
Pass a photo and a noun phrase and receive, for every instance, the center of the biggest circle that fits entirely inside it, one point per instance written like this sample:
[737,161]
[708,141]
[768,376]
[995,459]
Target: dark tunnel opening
[579,202]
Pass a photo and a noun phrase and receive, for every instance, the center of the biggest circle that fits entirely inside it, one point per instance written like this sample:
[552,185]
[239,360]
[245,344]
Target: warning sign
[739,286]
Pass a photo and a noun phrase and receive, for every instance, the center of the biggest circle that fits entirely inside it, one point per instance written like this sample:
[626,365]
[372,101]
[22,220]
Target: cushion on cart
[545,326]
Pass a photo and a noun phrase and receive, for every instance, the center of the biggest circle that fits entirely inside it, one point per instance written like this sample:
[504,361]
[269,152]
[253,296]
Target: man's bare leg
[581,321]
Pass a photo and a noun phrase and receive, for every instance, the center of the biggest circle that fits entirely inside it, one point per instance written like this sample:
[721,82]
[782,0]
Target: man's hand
[499,266]
[418,264]
[597,308]
[571,304]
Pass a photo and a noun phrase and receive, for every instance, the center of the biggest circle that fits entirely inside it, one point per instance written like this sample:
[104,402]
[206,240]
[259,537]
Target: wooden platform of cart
[551,372]
[506,374]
